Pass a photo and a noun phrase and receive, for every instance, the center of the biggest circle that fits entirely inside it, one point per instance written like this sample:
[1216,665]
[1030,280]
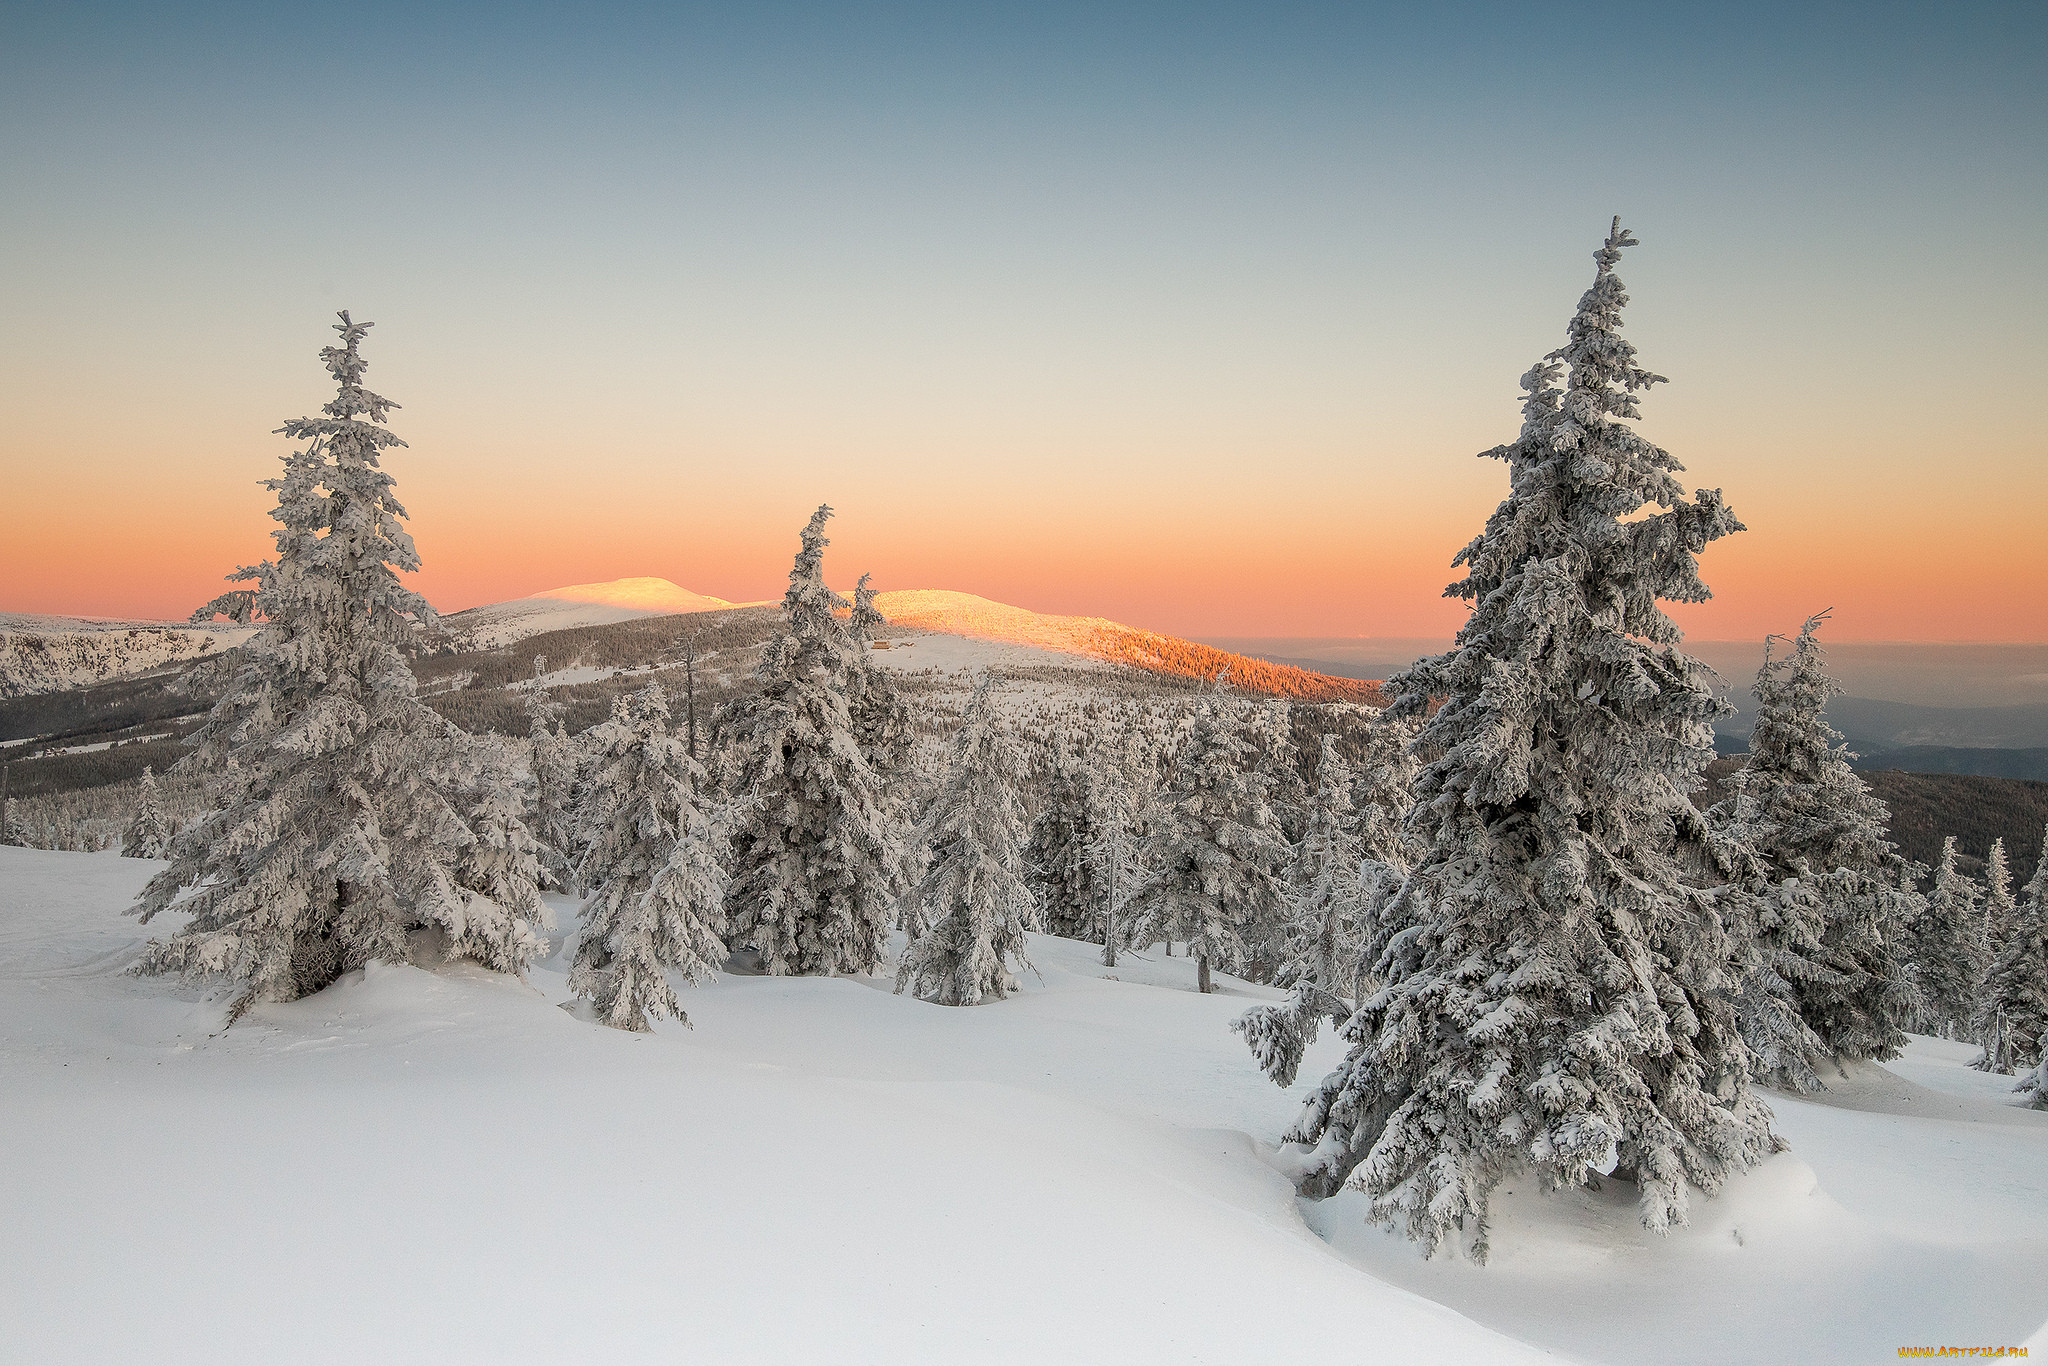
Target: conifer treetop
[352,402]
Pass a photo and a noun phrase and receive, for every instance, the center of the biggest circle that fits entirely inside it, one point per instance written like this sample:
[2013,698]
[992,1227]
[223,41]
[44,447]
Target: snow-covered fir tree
[1114,855]
[2034,1085]
[1271,734]
[1951,950]
[1554,994]
[499,872]
[1323,905]
[653,843]
[1382,794]
[881,718]
[554,779]
[972,897]
[149,834]
[1059,856]
[2013,1021]
[1998,902]
[1835,900]
[336,830]
[1215,854]
[820,854]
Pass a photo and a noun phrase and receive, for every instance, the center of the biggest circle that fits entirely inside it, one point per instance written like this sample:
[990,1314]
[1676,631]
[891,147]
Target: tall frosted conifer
[1059,856]
[819,856]
[499,871]
[881,718]
[1833,915]
[1323,906]
[1214,856]
[652,845]
[1951,950]
[149,835]
[1999,906]
[337,829]
[972,898]
[2016,990]
[2014,1020]
[554,778]
[1555,983]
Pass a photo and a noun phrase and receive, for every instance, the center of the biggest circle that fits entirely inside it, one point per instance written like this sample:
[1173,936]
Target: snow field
[441,1166]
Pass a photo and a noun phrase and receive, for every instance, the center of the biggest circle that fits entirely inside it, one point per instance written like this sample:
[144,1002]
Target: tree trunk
[1202,974]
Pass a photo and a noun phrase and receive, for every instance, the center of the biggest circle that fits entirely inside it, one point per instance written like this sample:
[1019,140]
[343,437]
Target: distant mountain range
[580,604]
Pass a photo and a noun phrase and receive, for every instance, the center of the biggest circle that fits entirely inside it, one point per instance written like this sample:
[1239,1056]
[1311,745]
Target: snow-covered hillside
[44,654]
[935,610]
[441,1166]
[580,604]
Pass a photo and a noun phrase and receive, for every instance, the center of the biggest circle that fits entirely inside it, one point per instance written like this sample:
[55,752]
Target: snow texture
[451,1169]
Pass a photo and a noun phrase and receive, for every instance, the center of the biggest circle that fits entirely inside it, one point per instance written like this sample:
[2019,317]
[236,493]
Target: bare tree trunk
[1202,981]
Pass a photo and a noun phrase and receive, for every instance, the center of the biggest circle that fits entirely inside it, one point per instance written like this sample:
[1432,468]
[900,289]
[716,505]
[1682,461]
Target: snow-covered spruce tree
[499,872]
[1554,972]
[1323,902]
[2013,1021]
[1271,732]
[2034,1085]
[652,843]
[1382,794]
[554,779]
[881,718]
[1836,900]
[1058,856]
[1215,855]
[1998,903]
[1113,854]
[1383,790]
[1951,950]
[820,855]
[972,896]
[335,832]
[149,834]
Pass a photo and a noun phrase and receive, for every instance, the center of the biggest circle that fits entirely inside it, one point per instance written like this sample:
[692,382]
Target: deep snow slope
[441,1166]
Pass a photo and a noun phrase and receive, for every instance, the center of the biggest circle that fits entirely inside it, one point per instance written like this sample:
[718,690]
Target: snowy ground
[442,1167]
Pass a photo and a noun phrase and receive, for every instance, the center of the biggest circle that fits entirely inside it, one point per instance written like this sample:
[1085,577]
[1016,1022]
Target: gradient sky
[1189,315]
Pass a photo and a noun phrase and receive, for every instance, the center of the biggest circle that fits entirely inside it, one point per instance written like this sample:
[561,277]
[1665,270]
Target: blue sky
[1192,314]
